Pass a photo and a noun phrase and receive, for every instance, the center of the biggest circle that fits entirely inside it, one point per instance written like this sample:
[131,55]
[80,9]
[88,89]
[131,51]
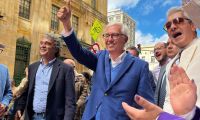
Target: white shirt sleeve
[189,115]
[66,34]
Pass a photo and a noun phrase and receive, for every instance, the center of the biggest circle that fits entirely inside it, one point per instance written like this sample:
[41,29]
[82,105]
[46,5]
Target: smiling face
[182,33]
[114,39]
[47,48]
[160,52]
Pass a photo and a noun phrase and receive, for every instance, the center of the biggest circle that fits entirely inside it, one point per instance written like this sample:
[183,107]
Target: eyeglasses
[112,35]
[176,21]
[159,48]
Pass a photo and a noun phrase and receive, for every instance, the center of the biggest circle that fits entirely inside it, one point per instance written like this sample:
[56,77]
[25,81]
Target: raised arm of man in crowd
[182,90]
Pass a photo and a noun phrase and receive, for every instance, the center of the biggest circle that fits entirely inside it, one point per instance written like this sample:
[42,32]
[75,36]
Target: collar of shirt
[49,63]
[119,59]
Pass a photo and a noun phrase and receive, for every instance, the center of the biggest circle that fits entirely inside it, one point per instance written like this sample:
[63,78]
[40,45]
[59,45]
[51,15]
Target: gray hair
[56,39]
[124,28]
[176,9]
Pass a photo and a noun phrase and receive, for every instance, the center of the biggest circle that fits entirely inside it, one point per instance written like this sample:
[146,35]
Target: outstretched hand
[183,91]
[150,111]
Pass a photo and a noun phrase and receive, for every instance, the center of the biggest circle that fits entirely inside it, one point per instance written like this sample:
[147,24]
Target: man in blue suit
[5,87]
[117,77]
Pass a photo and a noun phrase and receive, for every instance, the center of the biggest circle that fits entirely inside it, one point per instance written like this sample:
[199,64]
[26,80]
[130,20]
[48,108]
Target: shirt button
[105,94]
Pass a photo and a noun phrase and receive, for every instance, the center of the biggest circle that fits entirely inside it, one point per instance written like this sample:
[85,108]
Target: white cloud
[161,21]
[167,2]
[149,6]
[113,4]
[147,9]
[148,39]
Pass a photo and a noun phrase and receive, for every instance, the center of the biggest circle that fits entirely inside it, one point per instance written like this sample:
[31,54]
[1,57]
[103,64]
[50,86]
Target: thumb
[19,113]
[129,110]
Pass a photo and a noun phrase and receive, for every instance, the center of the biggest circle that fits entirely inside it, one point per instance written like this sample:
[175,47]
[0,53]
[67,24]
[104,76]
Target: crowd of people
[121,87]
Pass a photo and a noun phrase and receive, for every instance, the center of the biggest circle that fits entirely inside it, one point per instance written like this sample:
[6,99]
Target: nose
[42,45]
[173,27]
[110,38]
[169,46]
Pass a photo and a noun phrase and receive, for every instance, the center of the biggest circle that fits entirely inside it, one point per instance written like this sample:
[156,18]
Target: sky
[150,16]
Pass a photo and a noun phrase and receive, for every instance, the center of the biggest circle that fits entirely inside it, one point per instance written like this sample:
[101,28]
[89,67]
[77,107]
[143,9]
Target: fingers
[19,114]
[62,12]
[68,3]
[131,111]
[177,76]
[144,103]
[185,78]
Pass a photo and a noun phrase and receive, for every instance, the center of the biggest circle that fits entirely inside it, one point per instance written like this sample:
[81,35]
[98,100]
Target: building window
[110,19]
[118,18]
[143,57]
[22,58]
[75,23]
[24,8]
[152,59]
[93,4]
[54,19]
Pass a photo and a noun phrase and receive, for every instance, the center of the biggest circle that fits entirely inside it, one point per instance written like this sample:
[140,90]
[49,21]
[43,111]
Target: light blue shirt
[41,86]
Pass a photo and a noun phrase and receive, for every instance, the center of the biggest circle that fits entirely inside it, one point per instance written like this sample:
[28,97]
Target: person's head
[160,52]
[70,62]
[87,76]
[133,51]
[1,47]
[115,37]
[49,46]
[179,27]
[172,49]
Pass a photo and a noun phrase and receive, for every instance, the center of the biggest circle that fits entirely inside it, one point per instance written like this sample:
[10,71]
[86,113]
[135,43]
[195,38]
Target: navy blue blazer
[61,93]
[132,79]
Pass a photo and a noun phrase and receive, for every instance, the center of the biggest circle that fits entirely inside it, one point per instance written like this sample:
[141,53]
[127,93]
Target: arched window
[22,58]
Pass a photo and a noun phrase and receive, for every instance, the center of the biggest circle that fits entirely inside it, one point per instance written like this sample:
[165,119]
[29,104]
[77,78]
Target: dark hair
[134,48]
[86,75]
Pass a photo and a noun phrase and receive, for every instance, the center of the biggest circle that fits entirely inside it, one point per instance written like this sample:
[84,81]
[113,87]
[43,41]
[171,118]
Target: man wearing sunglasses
[117,77]
[182,32]
[179,30]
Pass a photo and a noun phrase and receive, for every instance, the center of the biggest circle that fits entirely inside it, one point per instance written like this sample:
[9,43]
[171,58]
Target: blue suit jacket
[5,92]
[132,79]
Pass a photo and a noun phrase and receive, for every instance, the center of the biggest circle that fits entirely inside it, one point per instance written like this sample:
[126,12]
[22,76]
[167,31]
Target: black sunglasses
[176,21]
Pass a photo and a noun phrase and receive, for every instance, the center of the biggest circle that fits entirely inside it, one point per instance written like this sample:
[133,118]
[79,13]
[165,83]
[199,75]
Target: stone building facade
[23,22]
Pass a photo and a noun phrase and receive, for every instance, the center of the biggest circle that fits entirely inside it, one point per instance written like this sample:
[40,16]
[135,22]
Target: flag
[96,29]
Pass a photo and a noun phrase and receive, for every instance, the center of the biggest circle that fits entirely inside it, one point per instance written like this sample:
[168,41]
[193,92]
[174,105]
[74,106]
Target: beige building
[23,22]
[147,54]
[118,15]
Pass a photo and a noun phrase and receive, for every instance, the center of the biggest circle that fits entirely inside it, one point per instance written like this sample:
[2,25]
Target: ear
[193,27]
[126,39]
